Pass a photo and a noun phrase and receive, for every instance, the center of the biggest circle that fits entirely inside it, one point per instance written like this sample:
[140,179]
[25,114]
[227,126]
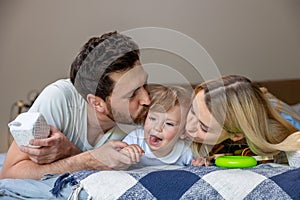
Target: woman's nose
[191,123]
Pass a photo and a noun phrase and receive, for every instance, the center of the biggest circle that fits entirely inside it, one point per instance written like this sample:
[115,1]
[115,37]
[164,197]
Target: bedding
[266,181]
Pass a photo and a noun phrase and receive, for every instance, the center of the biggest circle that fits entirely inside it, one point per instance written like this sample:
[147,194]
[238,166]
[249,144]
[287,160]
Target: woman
[233,107]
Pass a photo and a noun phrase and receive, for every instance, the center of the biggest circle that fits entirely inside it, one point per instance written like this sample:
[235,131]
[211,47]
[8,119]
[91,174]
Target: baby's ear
[183,136]
[237,136]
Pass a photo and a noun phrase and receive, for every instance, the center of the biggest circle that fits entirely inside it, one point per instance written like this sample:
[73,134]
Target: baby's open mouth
[154,140]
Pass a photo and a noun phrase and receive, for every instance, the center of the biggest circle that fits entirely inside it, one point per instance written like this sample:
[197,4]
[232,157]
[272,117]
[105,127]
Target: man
[106,86]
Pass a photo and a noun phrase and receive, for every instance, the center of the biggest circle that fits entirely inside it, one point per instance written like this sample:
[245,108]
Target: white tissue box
[27,126]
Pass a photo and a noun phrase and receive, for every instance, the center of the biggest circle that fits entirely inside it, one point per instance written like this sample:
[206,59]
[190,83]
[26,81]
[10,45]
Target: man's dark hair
[98,58]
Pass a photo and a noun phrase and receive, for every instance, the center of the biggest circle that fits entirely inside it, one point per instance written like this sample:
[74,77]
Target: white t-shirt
[180,155]
[63,107]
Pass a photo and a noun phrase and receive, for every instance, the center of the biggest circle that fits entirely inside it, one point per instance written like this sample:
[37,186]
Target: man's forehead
[130,79]
[136,70]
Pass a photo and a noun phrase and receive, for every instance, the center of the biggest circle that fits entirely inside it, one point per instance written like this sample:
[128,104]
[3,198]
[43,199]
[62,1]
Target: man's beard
[127,118]
[141,117]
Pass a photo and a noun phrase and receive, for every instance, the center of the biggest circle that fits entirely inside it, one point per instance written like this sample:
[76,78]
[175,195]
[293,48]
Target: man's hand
[55,147]
[134,152]
[109,155]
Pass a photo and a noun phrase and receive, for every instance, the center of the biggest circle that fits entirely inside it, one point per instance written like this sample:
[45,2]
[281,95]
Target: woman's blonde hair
[241,107]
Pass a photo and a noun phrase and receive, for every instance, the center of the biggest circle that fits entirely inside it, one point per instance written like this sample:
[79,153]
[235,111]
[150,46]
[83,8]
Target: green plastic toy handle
[235,161]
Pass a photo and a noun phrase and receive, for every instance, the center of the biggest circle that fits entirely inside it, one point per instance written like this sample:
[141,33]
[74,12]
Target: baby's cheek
[147,127]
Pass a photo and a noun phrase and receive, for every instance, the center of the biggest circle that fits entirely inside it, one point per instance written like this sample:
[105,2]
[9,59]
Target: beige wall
[39,39]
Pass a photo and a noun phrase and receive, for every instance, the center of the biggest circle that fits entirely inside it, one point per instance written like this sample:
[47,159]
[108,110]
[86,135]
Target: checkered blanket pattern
[174,182]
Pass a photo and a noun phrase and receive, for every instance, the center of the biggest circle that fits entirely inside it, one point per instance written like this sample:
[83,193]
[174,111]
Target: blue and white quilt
[174,182]
[267,181]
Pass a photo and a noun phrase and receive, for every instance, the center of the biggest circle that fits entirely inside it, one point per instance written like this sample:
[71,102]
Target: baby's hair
[164,98]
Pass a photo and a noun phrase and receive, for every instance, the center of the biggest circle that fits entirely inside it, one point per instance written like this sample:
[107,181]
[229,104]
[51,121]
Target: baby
[161,141]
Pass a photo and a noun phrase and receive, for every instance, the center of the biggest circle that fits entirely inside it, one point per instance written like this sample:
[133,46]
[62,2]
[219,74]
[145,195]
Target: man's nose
[144,97]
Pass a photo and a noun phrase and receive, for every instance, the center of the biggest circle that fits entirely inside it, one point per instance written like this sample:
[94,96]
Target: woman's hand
[200,161]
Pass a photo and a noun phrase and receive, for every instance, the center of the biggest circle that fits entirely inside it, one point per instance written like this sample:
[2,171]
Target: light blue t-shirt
[180,155]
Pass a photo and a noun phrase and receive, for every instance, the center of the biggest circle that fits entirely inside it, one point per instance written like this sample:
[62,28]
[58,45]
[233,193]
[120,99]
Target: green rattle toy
[235,161]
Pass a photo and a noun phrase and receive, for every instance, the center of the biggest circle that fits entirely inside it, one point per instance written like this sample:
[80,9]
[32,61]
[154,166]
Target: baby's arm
[134,152]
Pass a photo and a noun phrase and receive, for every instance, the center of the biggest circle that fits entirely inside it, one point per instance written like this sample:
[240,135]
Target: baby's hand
[134,152]
[200,161]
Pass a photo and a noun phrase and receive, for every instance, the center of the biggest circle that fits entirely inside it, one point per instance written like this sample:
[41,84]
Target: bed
[265,181]
[173,182]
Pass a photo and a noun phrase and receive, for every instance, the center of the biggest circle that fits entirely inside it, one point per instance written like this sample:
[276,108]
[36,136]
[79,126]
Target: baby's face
[162,130]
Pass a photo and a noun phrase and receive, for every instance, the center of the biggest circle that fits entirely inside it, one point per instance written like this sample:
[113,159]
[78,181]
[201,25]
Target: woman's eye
[203,128]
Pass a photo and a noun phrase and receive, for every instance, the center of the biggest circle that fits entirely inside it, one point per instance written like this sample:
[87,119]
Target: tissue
[27,126]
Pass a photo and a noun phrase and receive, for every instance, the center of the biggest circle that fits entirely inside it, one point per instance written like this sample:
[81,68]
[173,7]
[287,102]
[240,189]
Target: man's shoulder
[62,84]
[65,87]
[58,95]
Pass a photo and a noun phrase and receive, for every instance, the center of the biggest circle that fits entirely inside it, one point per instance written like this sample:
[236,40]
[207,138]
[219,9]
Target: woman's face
[201,126]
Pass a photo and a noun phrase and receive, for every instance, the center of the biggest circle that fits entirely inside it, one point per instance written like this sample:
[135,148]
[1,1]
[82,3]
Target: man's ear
[97,103]
[237,136]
